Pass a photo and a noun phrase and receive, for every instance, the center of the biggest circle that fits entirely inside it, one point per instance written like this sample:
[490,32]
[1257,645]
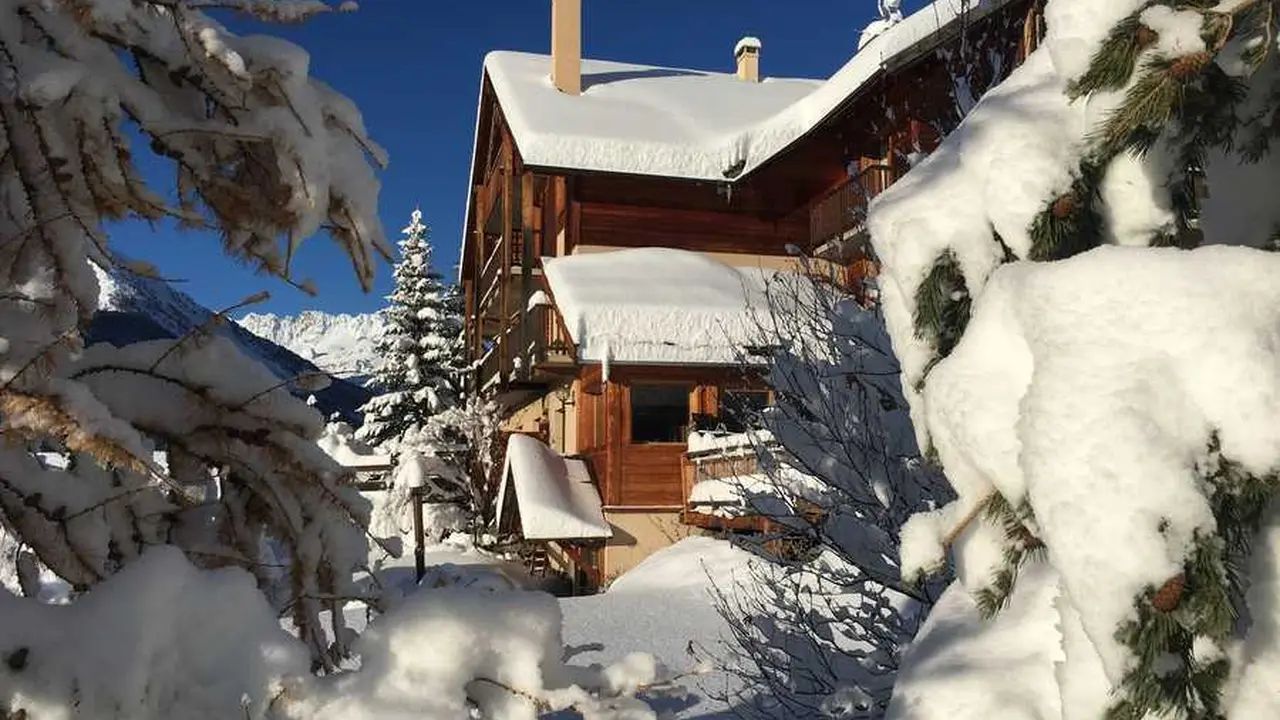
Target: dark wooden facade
[635,475]
[812,195]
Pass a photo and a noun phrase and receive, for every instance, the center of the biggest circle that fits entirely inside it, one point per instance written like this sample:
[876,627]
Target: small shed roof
[658,305]
[554,495]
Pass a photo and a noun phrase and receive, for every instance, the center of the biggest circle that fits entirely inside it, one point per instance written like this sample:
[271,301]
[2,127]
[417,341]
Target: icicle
[604,369]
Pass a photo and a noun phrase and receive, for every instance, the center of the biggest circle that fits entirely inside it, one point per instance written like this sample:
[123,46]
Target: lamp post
[419,496]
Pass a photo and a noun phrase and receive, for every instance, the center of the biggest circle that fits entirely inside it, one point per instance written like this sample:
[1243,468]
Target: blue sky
[413,67]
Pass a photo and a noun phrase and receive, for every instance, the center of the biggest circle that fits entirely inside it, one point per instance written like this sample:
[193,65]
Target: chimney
[747,54]
[566,46]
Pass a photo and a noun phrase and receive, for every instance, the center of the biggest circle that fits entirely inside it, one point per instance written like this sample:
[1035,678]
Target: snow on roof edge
[658,306]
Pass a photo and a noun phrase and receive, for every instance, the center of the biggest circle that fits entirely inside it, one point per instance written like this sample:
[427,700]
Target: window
[740,409]
[659,413]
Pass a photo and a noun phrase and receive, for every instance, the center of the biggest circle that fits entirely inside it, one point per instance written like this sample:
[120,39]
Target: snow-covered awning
[658,305]
[554,495]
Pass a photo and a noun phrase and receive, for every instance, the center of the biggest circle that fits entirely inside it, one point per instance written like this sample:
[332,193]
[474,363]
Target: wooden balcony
[539,351]
[837,223]
[728,463]
[550,349]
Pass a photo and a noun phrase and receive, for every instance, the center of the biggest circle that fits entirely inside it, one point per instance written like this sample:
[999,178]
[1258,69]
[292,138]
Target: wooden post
[528,232]
[419,544]
[504,272]
[477,338]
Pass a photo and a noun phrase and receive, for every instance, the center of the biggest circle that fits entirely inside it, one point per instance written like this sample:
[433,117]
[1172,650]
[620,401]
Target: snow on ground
[158,640]
[664,606]
[162,640]
[472,616]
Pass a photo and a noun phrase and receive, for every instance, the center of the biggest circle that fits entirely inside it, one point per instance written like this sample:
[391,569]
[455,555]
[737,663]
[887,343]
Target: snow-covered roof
[644,120]
[657,305]
[633,118]
[554,494]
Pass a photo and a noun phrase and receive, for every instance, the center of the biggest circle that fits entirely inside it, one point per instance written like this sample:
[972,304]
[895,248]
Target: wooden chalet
[664,169]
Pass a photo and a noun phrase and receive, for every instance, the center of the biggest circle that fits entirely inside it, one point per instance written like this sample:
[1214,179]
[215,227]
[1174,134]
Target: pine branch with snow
[263,155]
[1106,410]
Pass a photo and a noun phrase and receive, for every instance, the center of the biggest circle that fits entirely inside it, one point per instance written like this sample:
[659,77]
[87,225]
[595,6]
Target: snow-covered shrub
[442,652]
[1112,412]
[427,479]
[158,640]
[162,639]
[823,633]
[437,462]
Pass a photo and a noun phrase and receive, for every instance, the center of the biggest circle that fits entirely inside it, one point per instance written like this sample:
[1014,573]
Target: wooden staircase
[537,562]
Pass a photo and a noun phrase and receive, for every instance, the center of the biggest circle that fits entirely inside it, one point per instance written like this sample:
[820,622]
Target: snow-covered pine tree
[422,353]
[420,417]
[1112,411]
[823,634]
[260,152]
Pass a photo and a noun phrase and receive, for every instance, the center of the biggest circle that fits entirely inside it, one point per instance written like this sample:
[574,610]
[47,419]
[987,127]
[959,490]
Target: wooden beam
[496,133]
[477,339]
[528,234]
[701,230]
[504,272]
[616,399]
[560,210]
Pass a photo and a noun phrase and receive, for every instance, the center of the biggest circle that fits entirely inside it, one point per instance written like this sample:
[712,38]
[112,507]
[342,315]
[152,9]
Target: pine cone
[1027,539]
[1146,37]
[1188,66]
[1169,595]
[1064,206]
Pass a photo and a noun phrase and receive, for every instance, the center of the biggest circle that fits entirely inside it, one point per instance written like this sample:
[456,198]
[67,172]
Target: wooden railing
[843,213]
[551,337]
[549,346]
[488,370]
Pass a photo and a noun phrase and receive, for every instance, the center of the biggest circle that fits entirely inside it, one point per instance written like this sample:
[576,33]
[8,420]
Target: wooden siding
[651,475]
[700,230]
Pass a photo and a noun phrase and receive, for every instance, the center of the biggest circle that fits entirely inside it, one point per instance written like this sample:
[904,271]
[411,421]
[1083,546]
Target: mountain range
[342,345]
[133,308]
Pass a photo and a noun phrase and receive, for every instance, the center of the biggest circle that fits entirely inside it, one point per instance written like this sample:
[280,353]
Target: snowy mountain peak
[134,308]
[342,344]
